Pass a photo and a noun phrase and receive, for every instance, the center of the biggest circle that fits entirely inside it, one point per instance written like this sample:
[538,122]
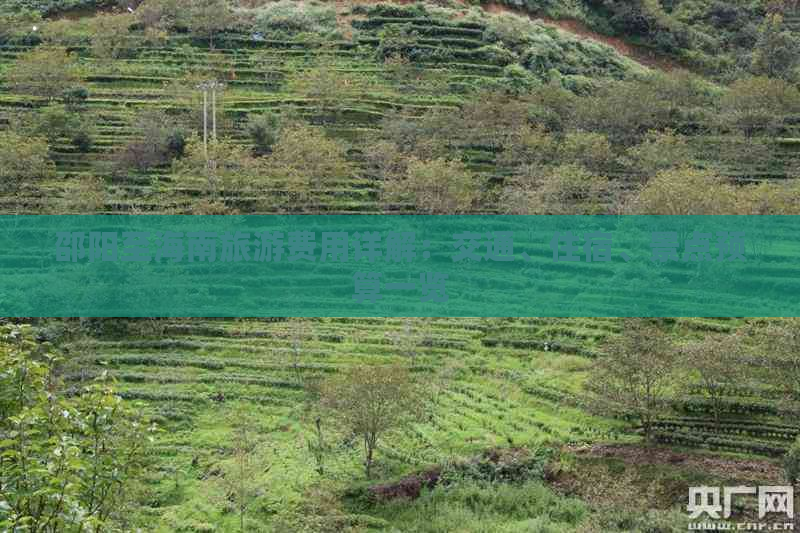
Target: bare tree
[370,401]
[717,363]
[634,377]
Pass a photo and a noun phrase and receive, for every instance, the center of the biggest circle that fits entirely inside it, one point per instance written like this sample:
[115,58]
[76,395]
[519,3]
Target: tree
[206,18]
[563,190]
[782,340]
[157,17]
[298,332]
[588,149]
[407,339]
[45,72]
[660,150]
[327,87]
[529,145]
[635,376]
[158,140]
[306,161]
[17,25]
[776,51]
[759,104]
[57,121]
[370,401]
[111,37]
[716,363]
[67,461]
[437,186]
[684,191]
[239,477]
[264,130]
[791,463]
[23,159]
[228,168]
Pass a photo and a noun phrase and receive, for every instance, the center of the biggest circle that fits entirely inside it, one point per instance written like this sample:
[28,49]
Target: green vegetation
[462,425]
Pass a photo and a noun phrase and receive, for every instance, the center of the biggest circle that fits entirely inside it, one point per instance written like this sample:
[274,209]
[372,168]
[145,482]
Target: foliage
[370,401]
[65,461]
[473,507]
[714,360]
[17,26]
[658,151]
[776,52]
[436,186]
[57,121]
[45,72]
[207,18]
[791,463]
[264,130]
[684,191]
[328,87]
[634,377]
[239,477]
[285,18]
[111,36]
[759,104]
[159,139]
[157,17]
[305,160]
[562,190]
[226,167]
[23,159]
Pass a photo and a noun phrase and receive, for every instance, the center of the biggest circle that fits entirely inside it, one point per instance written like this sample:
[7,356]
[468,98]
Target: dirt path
[575,27]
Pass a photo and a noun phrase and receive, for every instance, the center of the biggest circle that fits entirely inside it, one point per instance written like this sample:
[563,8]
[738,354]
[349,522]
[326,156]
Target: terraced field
[453,57]
[493,382]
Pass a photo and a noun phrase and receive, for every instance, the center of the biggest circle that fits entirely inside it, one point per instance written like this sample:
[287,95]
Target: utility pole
[213,86]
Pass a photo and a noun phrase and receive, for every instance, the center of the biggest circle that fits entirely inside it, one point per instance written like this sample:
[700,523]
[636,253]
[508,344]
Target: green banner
[381,265]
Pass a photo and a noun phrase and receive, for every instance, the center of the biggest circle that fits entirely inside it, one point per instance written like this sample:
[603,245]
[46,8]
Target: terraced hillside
[454,53]
[493,383]
[384,63]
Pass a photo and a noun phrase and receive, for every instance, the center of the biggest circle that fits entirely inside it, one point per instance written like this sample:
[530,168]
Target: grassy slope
[257,74]
[485,396]
[492,394]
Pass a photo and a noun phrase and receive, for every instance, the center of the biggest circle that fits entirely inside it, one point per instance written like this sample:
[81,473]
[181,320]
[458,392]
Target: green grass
[483,396]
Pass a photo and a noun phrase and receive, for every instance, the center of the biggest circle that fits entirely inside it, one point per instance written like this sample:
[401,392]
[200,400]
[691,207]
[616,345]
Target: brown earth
[763,471]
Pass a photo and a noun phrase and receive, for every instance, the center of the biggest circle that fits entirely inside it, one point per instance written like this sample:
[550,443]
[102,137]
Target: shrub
[263,130]
[45,72]
[286,18]
[592,150]
[759,104]
[307,160]
[437,186]
[57,121]
[111,37]
[791,463]
[564,190]
[659,151]
[159,140]
[23,159]
[398,40]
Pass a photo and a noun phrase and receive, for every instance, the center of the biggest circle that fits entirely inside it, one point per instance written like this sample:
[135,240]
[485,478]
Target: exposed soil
[763,471]
[637,53]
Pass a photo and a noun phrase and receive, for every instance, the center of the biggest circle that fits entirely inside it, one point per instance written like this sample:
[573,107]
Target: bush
[398,41]
[57,121]
[45,72]
[286,18]
[159,140]
[791,463]
[263,130]
[659,151]
[23,159]
[437,186]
